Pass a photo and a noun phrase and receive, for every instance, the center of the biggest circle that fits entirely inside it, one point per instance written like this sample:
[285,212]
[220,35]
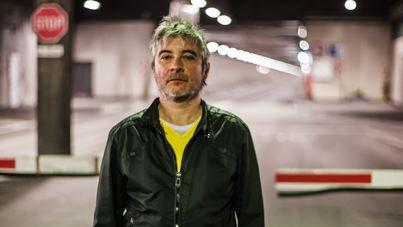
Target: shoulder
[128,122]
[220,117]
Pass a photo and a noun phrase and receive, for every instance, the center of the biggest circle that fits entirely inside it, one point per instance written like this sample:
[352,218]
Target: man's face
[178,69]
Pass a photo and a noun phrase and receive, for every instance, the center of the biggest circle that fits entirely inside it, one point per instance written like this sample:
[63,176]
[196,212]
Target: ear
[152,65]
[206,70]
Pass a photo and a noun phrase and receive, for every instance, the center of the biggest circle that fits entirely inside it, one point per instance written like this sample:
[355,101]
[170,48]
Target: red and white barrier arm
[50,165]
[18,165]
[290,181]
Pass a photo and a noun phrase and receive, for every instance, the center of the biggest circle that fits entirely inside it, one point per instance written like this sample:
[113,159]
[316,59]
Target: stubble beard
[183,96]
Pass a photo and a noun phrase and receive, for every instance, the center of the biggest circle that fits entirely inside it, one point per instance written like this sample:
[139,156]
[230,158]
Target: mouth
[176,80]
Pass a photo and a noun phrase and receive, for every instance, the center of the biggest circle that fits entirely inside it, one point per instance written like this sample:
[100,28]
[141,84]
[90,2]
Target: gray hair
[174,26]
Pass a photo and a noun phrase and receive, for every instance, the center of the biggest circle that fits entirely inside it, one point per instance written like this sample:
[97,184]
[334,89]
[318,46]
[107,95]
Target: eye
[189,57]
[165,57]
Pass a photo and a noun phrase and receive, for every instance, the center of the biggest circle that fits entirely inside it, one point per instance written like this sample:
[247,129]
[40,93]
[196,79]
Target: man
[181,162]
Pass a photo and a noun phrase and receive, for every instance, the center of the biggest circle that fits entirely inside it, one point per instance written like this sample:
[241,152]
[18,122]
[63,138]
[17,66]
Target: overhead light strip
[253,58]
[212,12]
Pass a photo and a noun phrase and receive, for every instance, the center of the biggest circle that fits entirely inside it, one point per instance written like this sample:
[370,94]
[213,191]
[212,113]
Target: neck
[180,113]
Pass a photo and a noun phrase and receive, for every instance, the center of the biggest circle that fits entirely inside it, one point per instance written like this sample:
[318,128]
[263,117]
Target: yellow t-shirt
[178,141]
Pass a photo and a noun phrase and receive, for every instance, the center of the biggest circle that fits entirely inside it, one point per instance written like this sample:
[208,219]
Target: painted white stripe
[387,178]
[25,164]
[65,164]
[301,187]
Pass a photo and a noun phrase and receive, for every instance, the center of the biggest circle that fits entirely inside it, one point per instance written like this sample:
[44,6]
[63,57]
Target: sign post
[51,23]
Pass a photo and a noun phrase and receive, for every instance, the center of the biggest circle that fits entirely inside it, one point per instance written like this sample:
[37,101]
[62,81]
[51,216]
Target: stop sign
[50,22]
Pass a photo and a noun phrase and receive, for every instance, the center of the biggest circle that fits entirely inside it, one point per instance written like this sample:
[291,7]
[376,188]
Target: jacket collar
[151,117]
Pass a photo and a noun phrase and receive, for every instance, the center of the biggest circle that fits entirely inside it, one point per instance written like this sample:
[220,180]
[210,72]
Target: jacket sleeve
[248,192]
[110,201]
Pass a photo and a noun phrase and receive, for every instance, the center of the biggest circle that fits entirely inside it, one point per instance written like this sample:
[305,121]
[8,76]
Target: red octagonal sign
[50,23]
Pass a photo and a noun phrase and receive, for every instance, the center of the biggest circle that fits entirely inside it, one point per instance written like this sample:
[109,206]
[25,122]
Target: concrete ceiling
[266,27]
[245,11]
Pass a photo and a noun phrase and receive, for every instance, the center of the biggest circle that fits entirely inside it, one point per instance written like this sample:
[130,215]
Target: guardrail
[51,165]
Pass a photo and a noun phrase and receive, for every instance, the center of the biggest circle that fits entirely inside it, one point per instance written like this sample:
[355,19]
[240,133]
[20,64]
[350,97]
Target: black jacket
[139,185]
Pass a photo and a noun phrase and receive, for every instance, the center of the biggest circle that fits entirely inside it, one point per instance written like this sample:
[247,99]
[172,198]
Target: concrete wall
[397,72]
[227,72]
[363,62]
[119,54]
[18,66]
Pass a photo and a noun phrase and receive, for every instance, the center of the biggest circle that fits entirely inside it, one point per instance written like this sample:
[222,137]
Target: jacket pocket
[224,159]
[133,159]
[226,152]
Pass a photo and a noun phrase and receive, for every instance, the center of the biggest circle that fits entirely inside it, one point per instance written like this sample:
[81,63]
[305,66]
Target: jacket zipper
[178,175]
[178,180]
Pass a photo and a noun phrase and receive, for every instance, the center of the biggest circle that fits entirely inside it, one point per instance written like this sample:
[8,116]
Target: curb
[50,165]
[298,181]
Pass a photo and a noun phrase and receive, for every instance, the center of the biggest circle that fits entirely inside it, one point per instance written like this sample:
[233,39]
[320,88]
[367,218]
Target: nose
[177,65]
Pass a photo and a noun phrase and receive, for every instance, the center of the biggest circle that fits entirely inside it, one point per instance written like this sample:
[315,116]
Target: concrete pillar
[54,93]
[396,79]
[396,83]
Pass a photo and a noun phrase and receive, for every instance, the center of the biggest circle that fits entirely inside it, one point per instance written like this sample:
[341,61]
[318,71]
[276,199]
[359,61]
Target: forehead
[177,44]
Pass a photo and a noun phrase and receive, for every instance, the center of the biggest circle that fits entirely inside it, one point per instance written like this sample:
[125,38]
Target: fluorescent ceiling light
[223,49]
[302,32]
[304,45]
[232,52]
[224,20]
[199,3]
[303,57]
[212,47]
[92,5]
[305,68]
[213,12]
[265,62]
[350,4]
